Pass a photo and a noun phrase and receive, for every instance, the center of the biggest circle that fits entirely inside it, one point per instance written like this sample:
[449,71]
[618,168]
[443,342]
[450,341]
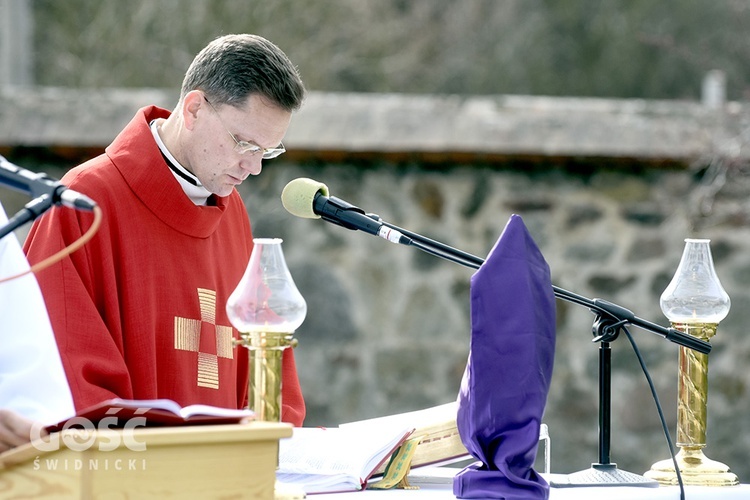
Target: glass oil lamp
[695,303]
[266,308]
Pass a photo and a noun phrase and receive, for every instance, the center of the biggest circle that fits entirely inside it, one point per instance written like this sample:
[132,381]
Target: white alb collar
[193,187]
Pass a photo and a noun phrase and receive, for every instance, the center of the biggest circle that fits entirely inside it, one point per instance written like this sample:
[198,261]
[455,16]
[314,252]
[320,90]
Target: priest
[139,311]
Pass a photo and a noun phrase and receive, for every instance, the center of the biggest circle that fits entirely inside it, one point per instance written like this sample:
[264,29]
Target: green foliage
[608,48]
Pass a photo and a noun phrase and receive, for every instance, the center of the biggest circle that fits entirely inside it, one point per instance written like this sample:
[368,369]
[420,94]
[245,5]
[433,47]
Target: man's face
[212,155]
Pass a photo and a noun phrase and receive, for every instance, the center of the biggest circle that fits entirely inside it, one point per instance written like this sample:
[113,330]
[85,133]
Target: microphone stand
[28,213]
[45,193]
[608,320]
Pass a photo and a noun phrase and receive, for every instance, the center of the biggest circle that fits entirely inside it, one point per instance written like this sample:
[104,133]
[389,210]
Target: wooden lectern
[199,461]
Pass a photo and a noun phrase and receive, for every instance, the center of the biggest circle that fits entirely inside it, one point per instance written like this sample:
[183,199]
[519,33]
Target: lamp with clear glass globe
[266,308]
[695,303]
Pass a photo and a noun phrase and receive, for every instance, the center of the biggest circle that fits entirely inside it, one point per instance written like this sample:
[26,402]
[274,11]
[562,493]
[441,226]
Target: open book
[439,442]
[151,412]
[336,459]
[344,458]
[435,428]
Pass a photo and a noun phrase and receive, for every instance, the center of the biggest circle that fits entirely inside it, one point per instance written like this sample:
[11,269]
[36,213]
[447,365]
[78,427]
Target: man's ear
[191,105]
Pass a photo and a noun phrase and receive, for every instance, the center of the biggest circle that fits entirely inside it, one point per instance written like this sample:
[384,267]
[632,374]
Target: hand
[15,430]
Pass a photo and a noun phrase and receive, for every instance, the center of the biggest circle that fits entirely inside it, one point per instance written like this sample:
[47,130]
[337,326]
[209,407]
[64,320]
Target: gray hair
[232,67]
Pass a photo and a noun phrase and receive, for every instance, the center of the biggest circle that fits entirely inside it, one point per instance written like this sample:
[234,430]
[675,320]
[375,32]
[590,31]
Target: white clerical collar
[190,183]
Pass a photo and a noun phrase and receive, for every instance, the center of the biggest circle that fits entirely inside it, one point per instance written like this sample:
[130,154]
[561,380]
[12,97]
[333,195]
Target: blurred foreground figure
[33,386]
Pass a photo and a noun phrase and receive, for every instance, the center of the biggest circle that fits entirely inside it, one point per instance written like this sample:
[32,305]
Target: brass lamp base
[264,389]
[696,470]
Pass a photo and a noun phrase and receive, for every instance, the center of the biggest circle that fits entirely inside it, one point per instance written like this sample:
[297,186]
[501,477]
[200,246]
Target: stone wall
[388,326]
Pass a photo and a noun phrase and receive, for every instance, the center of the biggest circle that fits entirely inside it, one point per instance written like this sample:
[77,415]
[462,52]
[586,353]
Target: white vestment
[32,380]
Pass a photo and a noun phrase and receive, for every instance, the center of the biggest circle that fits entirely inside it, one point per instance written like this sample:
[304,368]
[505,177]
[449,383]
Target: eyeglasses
[243,147]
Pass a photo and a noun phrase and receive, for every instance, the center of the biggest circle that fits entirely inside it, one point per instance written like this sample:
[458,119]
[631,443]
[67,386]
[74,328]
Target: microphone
[309,199]
[38,185]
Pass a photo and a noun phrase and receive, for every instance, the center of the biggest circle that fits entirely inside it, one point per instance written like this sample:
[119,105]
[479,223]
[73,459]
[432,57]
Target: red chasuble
[139,311]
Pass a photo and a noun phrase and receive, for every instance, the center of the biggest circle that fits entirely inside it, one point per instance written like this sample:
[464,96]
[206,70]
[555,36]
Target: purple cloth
[505,385]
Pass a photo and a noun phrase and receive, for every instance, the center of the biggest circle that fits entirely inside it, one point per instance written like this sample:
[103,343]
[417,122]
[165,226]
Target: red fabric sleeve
[292,403]
[92,355]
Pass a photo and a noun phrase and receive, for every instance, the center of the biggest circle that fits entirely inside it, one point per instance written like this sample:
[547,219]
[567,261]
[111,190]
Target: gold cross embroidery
[205,337]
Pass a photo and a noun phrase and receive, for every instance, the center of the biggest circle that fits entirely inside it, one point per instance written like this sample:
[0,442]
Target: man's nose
[253,165]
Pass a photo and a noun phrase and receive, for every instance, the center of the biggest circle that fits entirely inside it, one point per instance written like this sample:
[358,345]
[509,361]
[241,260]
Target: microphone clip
[341,213]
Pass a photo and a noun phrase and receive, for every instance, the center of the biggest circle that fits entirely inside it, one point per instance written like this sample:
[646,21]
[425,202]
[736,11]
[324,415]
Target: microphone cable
[61,254]
[655,395]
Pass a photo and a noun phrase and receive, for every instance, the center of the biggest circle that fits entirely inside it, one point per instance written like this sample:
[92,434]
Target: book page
[215,411]
[135,404]
[319,483]
[173,407]
[326,459]
[436,427]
